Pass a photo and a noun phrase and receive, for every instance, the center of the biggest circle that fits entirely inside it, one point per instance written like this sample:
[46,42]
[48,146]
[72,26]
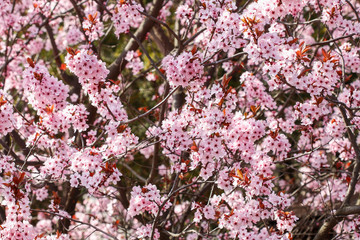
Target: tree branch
[332,40]
[118,65]
[344,209]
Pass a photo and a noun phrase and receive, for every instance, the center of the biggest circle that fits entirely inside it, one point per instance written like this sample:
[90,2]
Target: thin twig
[152,109]
[77,221]
[332,40]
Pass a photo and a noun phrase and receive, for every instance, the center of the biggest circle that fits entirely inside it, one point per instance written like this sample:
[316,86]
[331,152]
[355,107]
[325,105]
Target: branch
[344,209]
[81,19]
[72,198]
[148,56]
[152,109]
[77,221]
[158,144]
[348,210]
[332,40]
[133,172]
[171,193]
[354,9]
[162,23]
[355,173]
[239,10]
[225,59]
[16,157]
[67,78]
[118,65]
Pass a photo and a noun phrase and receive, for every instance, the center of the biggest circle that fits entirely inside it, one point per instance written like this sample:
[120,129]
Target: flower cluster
[134,61]
[90,171]
[146,231]
[87,67]
[126,14]
[7,117]
[146,199]
[45,92]
[92,73]
[184,70]
[93,27]
[14,191]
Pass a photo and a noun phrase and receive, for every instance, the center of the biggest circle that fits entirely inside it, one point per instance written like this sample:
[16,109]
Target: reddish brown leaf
[63,66]
[2,101]
[30,62]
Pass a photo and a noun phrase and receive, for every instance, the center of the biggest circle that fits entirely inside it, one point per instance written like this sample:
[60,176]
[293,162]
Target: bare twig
[152,109]
[118,65]
[332,40]
[77,221]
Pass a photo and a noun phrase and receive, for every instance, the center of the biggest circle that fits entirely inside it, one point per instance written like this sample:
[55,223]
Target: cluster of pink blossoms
[15,190]
[145,232]
[91,172]
[184,70]
[146,199]
[7,117]
[43,90]
[92,73]
[126,14]
[134,61]
[93,27]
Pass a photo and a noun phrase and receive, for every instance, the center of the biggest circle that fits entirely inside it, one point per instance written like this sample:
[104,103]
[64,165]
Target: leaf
[307,48]
[95,154]
[194,49]
[225,81]
[303,72]
[2,101]
[261,204]
[319,100]
[227,216]
[36,136]
[71,51]
[258,32]
[268,178]
[324,53]
[38,76]
[273,135]
[121,128]
[90,17]
[49,110]
[254,109]
[30,62]
[290,236]
[21,177]
[347,165]
[292,41]
[348,179]
[40,236]
[221,102]
[58,234]
[194,147]
[115,82]
[301,44]
[63,66]
[240,174]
